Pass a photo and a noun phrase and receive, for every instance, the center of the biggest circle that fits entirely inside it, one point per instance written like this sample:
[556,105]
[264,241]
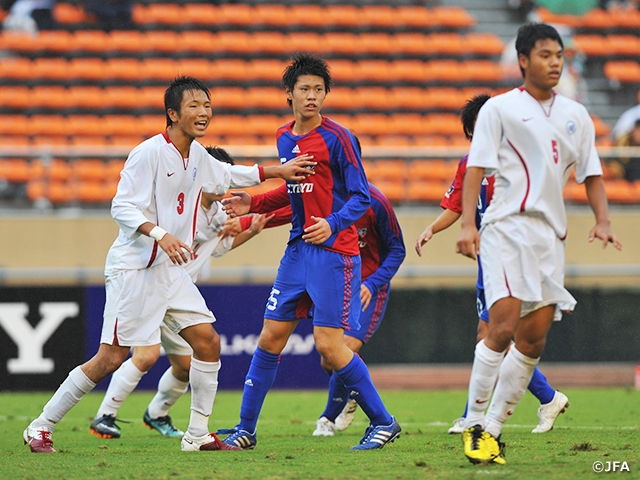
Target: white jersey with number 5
[531,149]
[158,185]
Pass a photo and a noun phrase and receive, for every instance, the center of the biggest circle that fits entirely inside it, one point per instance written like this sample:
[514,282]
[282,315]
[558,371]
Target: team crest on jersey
[195,172]
[449,192]
[296,149]
[571,127]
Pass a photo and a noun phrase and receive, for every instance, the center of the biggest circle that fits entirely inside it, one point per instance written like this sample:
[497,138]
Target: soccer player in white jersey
[210,240]
[155,207]
[529,138]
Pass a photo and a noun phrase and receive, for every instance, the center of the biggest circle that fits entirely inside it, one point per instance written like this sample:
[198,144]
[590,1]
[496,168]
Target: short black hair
[174,93]
[303,63]
[220,154]
[530,33]
[469,113]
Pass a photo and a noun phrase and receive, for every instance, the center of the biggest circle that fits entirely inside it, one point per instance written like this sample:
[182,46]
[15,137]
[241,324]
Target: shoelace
[368,433]
[166,420]
[476,435]
[45,435]
[110,421]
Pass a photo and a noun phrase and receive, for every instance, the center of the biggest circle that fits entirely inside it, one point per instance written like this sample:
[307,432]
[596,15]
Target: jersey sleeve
[270,201]
[487,135]
[135,192]
[453,198]
[221,176]
[282,217]
[390,235]
[588,163]
[358,199]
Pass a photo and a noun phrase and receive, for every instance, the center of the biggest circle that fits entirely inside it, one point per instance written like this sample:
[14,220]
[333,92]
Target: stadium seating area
[402,74]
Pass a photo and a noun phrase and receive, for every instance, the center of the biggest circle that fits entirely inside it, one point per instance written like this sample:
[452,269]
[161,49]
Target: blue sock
[540,387]
[466,409]
[338,397]
[262,373]
[356,379]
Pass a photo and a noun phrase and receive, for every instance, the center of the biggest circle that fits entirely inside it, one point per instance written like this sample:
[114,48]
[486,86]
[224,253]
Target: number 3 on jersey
[272,303]
[180,206]
[554,149]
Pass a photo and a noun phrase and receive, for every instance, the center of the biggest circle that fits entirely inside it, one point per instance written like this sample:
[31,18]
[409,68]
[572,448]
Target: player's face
[195,114]
[307,96]
[544,64]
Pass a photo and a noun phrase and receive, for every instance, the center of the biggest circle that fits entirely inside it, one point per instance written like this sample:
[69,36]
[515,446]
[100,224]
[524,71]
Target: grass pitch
[601,425]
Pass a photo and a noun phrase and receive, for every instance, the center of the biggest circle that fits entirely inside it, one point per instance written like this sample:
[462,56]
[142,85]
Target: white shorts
[173,343]
[139,300]
[522,257]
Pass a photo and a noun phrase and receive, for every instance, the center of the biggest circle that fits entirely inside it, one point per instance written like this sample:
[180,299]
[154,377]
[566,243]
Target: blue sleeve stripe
[391,216]
[341,133]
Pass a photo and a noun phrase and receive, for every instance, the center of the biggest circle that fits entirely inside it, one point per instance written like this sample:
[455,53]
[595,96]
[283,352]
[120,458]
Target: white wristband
[157,233]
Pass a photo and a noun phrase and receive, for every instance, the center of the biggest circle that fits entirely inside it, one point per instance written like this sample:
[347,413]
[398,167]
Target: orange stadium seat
[269,42]
[376,43]
[593,45]
[444,123]
[625,45]
[343,15]
[263,124]
[89,169]
[602,128]
[164,14]
[394,140]
[166,41]
[340,43]
[625,17]
[620,191]
[18,41]
[271,98]
[228,125]
[431,140]
[344,71]
[50,141]
[341,98]
[150,125]
[130,41]
[275,15]
[373,70]
[15,125]
[410,71]
[625,72]
[53,125]
[411,124]
[447,98]
[15,97]
[409,98]
[482,43]
[129,69]
[46,96]
[450,43]
[89,141]
[379,16]
[128,141]
[67,13]
[50,68]
[412,43]
[16,68]
[122,97]
[91,41]
[373,98]
[91,191]
[394,191]
[596,19]
[15,140]
[164,69]
[16,170]
[89,69]
[240,14]
[447,70]
[416,17]
[549,17]
[85,125]
[387,170]
[86,97]
[426,191]
[120,125]
[54,41]
[235,41]
[60,192]
[231,69]
[485,71]
[58,170]
[113,169]
[372,124]
[304,41]
[308,15]
[200,41]
[266,69]
[452,17]
[236,98]
[201,14]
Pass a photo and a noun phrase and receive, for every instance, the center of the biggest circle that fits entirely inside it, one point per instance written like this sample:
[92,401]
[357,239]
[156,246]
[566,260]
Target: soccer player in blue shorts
[321,264]
[552,402]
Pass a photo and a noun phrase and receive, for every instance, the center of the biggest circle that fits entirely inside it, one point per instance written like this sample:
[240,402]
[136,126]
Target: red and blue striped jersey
[338,191]
[380,239]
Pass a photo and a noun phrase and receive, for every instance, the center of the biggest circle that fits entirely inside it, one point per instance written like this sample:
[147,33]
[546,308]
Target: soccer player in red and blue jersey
[552,402]
[321,265]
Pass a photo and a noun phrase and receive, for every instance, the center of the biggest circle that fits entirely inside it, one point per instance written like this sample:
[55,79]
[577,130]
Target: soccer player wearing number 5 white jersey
[155,207]
[529,138]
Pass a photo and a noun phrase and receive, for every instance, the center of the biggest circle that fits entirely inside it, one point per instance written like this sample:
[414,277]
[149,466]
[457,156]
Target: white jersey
[158,185]
[531,150]
[207,243]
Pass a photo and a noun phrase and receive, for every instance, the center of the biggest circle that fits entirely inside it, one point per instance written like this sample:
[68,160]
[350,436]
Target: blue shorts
[309,274]
[483,314]
[371,318]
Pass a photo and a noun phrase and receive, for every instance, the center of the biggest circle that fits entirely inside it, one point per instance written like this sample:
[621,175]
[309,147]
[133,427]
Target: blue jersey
[338,191]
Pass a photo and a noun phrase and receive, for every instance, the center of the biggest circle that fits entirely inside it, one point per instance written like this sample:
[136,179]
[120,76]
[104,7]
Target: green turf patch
[601,425]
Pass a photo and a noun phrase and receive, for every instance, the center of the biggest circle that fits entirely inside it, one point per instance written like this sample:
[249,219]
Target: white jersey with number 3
[158,185]
[532,149]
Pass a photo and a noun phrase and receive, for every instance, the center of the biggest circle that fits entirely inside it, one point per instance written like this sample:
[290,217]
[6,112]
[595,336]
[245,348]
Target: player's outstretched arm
[295,169]
[258,223]
[177,250]
[598,202]
[238,204]
[444,221]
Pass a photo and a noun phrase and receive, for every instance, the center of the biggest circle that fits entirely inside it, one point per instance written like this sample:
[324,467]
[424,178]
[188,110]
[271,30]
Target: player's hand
[317,233]
[230,228]
[422,239]
[365,296]
[238,204]
[298,168]
[468,243]
[604,233]
[258,222]
[177,250]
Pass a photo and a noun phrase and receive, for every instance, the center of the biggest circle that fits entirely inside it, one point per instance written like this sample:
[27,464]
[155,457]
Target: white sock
[203,377]
[123,382]
[515,374]
[170,389]
[486,364]
[64,399]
